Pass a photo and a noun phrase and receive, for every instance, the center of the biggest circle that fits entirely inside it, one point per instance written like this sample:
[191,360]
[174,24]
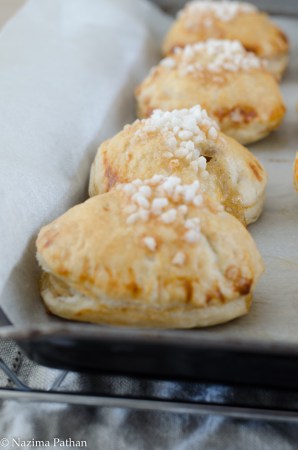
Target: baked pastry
[232,84]
[152,253]
[187,144]
[201,20]
[296,172]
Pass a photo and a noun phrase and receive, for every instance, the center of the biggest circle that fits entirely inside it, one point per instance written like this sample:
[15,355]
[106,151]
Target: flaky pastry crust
[97,268]
[236,178]
[246,103]
[254,30]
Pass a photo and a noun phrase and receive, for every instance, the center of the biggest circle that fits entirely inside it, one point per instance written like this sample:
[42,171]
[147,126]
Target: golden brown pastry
[201,20]
[296,172]
[155,253]
[232,84]
[187,144]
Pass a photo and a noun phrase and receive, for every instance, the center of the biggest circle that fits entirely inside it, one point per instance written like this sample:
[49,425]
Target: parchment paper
[68,70]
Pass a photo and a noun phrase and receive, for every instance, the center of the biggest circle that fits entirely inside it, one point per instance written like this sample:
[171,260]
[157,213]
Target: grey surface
[288,7]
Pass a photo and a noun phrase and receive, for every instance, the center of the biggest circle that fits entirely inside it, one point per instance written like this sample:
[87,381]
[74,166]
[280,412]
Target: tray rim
[175,338]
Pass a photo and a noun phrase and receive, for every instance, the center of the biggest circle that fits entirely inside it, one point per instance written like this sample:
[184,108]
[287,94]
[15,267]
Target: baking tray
[246,402]
[259,349]
[162,354]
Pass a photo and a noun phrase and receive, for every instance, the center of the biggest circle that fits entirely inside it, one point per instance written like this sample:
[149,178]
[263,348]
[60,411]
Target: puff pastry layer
[233,85]
[201,20]
[153,253]
[188,144]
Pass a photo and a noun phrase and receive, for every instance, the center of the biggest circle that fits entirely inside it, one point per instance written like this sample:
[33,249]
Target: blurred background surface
[289,7]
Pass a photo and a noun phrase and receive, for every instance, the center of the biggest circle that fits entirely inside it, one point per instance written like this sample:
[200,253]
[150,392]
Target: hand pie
[187,144]
[229,82]
[155,253]
[201,20]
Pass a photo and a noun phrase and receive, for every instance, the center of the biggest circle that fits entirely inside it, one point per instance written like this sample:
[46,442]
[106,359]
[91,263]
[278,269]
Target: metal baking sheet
[271,325]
